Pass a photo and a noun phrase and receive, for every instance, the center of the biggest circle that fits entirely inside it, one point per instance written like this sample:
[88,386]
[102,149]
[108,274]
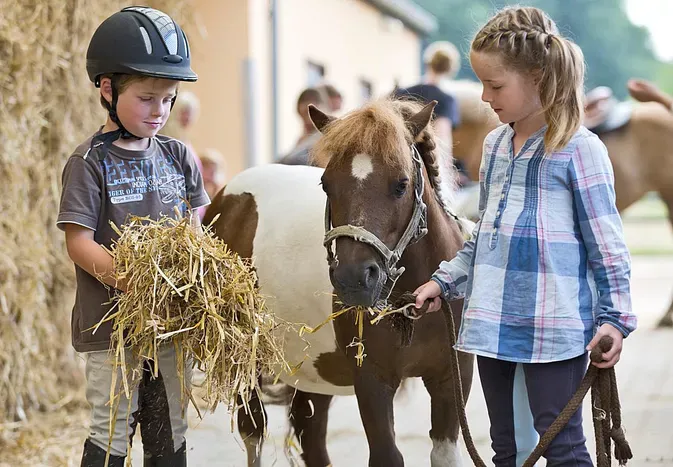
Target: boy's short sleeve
[80,196]
[196,193]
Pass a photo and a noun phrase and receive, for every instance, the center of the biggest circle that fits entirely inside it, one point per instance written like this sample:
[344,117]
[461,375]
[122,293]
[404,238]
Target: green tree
[614,48]
[664,77]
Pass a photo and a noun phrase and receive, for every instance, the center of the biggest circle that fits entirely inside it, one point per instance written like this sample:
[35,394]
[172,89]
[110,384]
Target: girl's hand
[612,357]
[429,291]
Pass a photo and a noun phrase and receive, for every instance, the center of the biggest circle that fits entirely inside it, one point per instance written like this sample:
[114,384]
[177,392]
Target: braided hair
[529,42]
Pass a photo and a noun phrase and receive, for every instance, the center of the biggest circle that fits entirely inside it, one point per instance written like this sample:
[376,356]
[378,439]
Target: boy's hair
[529,42]
[442,57]
[124,81]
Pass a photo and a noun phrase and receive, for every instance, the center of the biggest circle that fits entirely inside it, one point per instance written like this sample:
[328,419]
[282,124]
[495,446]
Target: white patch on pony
[445,453]
[362,166]
[289,257]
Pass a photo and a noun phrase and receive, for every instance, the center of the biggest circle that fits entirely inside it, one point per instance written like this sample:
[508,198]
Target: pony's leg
[308,415]
[667,319]
[443,415]
[444,421]
[252,427]
[375,402]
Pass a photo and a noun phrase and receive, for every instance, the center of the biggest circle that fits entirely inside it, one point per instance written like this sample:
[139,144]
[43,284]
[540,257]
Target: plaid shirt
[547,261]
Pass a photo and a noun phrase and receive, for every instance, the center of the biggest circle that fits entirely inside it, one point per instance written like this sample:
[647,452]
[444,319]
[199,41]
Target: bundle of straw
[187,288]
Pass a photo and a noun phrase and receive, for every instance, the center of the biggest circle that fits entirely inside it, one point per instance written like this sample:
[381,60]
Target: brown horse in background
[639,139]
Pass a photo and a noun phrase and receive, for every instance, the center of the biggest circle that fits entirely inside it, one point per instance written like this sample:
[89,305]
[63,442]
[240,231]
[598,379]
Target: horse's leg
[375,402]
[252,427]
[443,415]
[667,319]
[308,415]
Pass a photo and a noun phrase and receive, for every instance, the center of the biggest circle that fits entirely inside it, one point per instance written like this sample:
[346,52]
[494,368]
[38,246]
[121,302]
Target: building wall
[352,40]
[232,54]
[220,48]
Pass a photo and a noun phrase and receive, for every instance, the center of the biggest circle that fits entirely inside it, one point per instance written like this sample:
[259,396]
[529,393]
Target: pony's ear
[419,121]
[320,119]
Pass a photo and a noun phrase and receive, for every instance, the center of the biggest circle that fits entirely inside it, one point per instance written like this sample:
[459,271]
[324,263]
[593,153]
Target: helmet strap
[101,143]
[112,109]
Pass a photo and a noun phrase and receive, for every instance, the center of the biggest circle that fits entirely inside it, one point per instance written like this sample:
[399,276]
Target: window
[365,91]
[316,74]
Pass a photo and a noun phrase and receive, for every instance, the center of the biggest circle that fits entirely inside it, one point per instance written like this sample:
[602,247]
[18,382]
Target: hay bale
[189,290]
[52,438]
[47,107]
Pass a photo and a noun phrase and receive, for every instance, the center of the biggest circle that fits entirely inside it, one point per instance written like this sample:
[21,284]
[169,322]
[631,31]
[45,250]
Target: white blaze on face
[362,166]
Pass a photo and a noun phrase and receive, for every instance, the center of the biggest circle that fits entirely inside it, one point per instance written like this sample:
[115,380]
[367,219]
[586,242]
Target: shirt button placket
[501,207]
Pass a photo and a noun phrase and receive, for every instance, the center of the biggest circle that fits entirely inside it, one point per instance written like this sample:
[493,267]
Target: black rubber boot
[93,456]
[177,459]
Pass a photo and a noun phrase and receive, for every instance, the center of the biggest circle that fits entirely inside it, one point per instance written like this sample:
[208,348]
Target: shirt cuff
[613,322]
[199,201]
[448,288]
[76,218]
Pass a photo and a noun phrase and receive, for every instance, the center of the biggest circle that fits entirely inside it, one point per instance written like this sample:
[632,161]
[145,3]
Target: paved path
[645,377]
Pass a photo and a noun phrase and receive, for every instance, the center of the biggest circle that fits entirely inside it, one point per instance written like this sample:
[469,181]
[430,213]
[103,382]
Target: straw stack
[47,107]
[187,289]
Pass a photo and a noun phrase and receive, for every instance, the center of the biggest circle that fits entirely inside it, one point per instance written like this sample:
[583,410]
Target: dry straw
[403,306]
[189,290]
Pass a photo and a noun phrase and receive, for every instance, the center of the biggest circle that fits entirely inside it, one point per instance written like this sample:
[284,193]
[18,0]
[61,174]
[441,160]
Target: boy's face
[144,107]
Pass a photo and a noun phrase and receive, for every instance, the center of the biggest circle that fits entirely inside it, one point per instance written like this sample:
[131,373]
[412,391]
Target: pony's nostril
[371,274]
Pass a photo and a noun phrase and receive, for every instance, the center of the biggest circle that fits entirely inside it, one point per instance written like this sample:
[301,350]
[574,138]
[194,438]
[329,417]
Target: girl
[547,268]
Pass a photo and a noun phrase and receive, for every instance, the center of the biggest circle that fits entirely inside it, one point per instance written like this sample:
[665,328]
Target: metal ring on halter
[407,314]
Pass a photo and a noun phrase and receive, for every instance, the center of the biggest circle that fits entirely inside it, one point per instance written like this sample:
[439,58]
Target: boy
[137,57]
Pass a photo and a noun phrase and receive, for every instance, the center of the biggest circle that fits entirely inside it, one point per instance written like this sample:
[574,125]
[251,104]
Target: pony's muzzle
[358,284]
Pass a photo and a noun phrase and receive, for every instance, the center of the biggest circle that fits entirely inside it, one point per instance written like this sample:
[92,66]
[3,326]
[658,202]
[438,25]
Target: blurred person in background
[214,171]
[334,97]
[299,155]
[184,115]
[442,62]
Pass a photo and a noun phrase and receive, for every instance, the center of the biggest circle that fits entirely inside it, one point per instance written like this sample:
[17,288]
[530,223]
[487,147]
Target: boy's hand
[429,291]
[612,357]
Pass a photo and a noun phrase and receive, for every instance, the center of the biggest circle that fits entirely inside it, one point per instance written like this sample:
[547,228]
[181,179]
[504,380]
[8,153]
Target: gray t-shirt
[143,183]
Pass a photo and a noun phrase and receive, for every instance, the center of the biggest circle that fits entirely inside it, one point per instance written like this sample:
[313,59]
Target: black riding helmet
[137,41]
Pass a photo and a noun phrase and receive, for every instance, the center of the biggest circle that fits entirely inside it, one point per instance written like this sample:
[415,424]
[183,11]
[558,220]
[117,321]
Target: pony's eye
[401,187]
[323,185]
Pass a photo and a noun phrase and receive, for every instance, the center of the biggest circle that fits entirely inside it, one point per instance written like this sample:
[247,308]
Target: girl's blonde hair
[529,42]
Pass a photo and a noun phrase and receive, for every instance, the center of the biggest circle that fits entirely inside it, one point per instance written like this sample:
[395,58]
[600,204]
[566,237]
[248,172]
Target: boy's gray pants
[156,405]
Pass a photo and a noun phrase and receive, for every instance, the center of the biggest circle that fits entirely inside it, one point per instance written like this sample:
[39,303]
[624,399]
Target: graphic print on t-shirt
[131,180]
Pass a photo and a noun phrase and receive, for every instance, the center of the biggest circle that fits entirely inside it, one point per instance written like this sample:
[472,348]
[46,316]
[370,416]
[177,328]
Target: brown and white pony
[380,179]
[639,139]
